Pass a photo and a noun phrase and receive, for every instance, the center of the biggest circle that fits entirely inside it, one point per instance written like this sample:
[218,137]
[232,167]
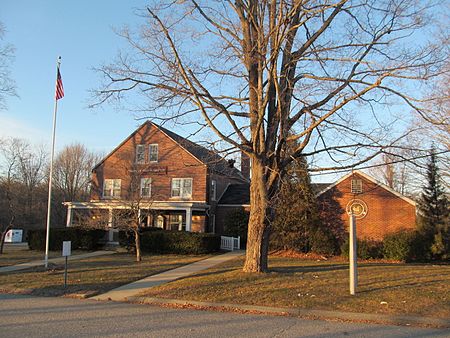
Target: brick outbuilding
[379,210]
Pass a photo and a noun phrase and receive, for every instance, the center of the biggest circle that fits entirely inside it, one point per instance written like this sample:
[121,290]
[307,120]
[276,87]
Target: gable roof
[369,178]
[236,194]
[205,156]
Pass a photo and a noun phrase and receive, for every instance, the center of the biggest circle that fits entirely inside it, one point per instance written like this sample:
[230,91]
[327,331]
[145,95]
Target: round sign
[358,208]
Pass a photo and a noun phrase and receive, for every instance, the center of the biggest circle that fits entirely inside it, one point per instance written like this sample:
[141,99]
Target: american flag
[59,93]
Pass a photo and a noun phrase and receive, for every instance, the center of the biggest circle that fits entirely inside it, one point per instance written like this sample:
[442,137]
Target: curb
[400,320]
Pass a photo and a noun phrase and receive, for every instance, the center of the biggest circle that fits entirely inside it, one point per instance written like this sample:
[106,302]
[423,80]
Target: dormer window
[356,187]
[140,153]
[153,153]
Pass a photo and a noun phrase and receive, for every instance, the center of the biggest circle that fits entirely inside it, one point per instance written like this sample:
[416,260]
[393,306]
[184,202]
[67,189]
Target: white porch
[184,208]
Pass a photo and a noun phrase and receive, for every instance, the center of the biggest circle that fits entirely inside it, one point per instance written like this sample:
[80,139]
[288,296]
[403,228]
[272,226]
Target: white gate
[230,243]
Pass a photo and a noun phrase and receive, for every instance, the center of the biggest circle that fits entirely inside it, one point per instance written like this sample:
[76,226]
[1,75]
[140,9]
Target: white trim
[371,179]
[164,205]
[233,205]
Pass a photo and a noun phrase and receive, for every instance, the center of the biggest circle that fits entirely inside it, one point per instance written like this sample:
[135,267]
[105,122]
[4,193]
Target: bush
[324,242]
[366,249]
[81,238]
[179,242]
[236,224]
[404,246]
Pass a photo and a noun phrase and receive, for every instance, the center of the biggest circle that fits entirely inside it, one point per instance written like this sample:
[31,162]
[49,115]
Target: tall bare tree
[7,84]
[261,74]
[72,172]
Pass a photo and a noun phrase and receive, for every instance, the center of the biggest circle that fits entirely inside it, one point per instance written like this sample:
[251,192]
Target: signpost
[66,252]
[353,255]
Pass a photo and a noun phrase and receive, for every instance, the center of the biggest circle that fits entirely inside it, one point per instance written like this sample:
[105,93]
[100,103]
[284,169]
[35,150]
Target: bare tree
[260,74]
[10,150]
[72,172]
[7,85]
[31,170]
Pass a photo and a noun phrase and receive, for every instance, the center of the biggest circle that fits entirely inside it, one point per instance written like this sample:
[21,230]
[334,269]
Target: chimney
[245,165]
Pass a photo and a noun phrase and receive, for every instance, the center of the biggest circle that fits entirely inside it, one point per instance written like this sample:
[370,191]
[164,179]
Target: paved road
[26,316]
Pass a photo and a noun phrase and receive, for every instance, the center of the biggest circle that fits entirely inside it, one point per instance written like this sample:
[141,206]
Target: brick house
[178,182]
[379,210]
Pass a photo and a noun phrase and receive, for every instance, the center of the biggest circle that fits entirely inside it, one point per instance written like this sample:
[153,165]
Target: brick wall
[173,162]
[386,212]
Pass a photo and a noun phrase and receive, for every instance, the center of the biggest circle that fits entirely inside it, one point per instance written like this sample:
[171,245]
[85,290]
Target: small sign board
[66,248]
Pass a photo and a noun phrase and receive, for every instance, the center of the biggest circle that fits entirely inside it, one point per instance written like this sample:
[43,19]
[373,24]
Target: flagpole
[49,200]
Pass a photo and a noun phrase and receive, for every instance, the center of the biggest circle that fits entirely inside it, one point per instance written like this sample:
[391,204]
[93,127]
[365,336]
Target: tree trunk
[2,239]
[137,237]
[259,222]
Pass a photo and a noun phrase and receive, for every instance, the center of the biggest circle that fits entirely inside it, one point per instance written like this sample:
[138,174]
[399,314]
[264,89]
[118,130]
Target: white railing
[230,243]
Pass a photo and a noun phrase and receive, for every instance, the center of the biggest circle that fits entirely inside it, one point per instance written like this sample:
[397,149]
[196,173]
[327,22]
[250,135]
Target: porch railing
[230,243]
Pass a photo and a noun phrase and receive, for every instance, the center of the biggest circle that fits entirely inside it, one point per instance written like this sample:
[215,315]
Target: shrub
[404,246]
[236,224]
[81,238]
[323,242]
[366,249]
[179,242]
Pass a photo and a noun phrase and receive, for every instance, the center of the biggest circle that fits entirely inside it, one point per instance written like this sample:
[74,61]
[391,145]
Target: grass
[387,288]
[13,255]
[90,276]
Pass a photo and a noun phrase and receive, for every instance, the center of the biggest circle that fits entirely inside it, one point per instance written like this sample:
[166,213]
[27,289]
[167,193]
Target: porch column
[110,226]
[69,216]
[188,219]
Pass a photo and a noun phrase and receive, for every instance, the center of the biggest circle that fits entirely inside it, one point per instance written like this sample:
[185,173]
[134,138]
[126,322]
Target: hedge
[366,249]
[176,242]
[86,239]
[404,246]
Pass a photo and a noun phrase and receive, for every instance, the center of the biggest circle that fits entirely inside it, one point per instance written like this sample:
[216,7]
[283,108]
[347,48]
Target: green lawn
[92,275]
[388,288]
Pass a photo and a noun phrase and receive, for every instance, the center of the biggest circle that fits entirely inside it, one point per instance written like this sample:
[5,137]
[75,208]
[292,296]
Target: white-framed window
[356,186]
[213,191]
[153,153]
[146,187]
[181,187]
[111,187]
[140,153]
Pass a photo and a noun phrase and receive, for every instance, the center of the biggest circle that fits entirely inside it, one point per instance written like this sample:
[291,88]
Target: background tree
[298,225]
[7,85]
[434,222]
[10,150]
[72,172]
[260,74]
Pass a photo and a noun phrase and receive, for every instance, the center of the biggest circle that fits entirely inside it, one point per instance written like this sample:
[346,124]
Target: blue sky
[81,32]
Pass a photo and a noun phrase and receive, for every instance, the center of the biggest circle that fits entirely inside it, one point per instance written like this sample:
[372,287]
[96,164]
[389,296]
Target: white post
[110,225]
[353,256]
[49,199]
[188,219]
[69,217]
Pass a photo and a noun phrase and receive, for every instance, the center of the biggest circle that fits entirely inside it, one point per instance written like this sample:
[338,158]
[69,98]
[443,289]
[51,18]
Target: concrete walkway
[133,289]
[58,260]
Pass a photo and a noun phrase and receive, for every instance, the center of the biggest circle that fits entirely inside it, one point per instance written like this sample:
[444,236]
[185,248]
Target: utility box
[14,236]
